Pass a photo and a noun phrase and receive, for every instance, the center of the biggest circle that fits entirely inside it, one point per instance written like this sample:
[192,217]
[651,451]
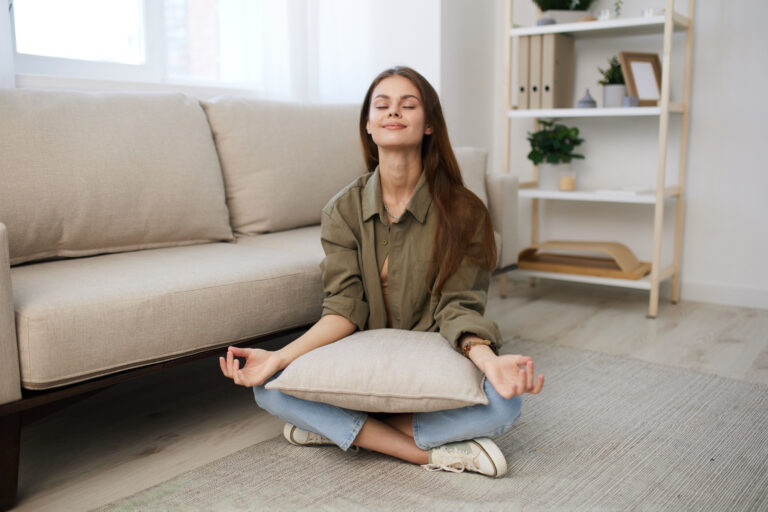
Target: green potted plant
[562,11]
[614,88]
[554,144]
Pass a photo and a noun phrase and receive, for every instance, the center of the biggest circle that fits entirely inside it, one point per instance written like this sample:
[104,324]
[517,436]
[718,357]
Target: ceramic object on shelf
[587,101]
[630,101]
[650,12]
[613,95]
[605,14]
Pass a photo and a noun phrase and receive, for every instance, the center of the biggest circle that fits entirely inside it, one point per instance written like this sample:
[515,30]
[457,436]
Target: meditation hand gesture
[508,378]
[259,366]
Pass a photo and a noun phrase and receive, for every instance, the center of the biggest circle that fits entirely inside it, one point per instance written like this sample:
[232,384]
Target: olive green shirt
[357,239]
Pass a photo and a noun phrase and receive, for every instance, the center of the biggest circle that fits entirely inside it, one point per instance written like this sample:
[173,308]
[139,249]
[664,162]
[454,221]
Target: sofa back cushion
[283,162]
[473,162]
[88,173]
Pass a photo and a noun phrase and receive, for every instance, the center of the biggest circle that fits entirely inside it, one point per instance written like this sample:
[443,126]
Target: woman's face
[396,116]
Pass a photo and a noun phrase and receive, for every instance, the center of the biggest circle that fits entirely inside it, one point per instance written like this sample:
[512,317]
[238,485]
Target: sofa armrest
[502,202]
[10,386]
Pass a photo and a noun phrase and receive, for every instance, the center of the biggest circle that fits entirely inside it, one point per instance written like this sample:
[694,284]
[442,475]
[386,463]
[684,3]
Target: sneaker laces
[313,438]
[463,459]
[456,467]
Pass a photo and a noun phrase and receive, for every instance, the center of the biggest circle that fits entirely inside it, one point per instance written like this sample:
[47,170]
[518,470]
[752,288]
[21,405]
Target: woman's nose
[394,113]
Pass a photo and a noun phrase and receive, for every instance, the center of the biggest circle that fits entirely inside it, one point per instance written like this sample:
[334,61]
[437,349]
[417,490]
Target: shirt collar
[418,205]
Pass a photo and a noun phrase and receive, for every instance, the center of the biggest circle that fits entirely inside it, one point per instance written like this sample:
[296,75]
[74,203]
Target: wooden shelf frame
[666,24]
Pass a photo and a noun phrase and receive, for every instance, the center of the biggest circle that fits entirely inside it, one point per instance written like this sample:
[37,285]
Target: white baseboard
[716,293]
[711,293]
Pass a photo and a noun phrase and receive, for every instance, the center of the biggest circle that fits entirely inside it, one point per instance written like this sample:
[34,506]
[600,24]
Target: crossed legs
[391,436]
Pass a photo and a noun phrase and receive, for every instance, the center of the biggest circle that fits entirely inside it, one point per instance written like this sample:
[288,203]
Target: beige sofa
[137,229]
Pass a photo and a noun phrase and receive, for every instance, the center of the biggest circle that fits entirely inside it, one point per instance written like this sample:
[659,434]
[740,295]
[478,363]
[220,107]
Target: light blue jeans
[430,429]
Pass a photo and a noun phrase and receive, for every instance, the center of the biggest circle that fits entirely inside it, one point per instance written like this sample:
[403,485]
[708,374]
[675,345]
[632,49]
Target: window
[295,50]
[67,29]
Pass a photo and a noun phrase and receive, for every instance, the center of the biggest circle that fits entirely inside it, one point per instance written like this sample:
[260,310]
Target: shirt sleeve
[342,280]
[463,299]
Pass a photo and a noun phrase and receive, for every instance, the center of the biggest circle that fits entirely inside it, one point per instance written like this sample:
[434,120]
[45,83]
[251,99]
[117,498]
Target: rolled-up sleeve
[342,278]
[463,299]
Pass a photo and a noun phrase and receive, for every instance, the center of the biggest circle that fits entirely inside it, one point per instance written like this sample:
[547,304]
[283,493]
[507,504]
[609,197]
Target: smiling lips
[394,126]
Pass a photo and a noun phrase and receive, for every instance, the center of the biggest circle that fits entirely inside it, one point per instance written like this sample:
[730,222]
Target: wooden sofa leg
[10,438]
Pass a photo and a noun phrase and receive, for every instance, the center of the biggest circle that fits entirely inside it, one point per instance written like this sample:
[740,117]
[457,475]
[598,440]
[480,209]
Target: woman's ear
[368,126]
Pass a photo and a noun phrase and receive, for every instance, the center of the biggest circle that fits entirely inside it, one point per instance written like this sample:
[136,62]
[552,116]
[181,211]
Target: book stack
[545,73]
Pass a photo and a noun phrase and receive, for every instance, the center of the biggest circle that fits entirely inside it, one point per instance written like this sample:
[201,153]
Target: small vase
[613,95]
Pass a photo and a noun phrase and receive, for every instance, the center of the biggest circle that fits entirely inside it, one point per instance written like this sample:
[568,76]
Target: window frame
[152,71]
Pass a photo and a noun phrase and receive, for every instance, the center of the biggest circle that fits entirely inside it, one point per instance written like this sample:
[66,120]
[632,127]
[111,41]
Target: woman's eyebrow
[403,97]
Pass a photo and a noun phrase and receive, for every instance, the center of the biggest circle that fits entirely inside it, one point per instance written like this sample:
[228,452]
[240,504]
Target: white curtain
[7,76]
[297,50]
[327,51]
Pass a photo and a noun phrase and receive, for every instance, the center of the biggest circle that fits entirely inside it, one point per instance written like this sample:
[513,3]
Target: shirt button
[385,242]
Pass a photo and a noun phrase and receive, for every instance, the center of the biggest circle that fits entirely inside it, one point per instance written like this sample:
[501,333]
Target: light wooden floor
[141,433]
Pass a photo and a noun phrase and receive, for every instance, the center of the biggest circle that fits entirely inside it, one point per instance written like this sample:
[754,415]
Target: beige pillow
[385,370]
[86,173]
[283,162]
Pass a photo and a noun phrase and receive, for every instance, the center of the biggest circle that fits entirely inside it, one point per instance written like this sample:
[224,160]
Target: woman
[407,246]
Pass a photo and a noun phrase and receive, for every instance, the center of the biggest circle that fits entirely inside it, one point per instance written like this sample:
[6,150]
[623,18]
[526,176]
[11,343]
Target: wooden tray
[621,263]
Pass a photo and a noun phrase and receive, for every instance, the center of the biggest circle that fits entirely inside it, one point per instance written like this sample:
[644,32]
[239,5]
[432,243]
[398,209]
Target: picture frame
[642,76]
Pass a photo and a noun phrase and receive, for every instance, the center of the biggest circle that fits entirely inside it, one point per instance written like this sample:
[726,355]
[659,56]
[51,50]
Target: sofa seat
[304,240]
[81,318]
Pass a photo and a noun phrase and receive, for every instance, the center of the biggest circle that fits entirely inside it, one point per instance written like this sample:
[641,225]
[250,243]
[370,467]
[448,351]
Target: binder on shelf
[557,71]
[534,78]
[523,74]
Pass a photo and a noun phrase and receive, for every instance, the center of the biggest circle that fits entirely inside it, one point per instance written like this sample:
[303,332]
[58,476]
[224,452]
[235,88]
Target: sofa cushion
[385,370]
[89,173]
[302,240]
[82,318]
[282,162]
[473,162]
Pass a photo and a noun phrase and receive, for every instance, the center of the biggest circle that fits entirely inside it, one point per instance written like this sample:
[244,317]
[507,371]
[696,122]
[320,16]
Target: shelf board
[593,112]
[592,195]
[587,195]
[618,27]
[643,283]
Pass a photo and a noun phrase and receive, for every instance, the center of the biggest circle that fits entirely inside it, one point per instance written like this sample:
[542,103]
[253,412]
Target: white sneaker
[300,437]
[479,455]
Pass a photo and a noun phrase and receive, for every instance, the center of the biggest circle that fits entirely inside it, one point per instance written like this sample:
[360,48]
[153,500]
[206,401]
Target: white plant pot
[564,16]
[613,95]
[556,176]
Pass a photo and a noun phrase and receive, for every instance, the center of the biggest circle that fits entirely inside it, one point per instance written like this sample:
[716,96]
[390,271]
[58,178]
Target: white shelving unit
[665,25]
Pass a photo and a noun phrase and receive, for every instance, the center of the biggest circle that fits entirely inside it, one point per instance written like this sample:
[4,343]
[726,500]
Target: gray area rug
[607,433]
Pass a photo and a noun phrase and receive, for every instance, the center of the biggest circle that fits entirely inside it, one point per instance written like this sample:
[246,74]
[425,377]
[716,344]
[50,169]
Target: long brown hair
[459,211]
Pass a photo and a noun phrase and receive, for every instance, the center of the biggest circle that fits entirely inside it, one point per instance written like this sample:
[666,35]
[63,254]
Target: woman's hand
[259,365]
[512,375]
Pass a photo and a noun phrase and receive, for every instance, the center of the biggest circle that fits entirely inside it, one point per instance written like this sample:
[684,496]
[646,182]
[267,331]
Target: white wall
[725,240]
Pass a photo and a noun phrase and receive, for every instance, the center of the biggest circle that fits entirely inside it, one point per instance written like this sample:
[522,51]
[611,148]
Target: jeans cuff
[360,420]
